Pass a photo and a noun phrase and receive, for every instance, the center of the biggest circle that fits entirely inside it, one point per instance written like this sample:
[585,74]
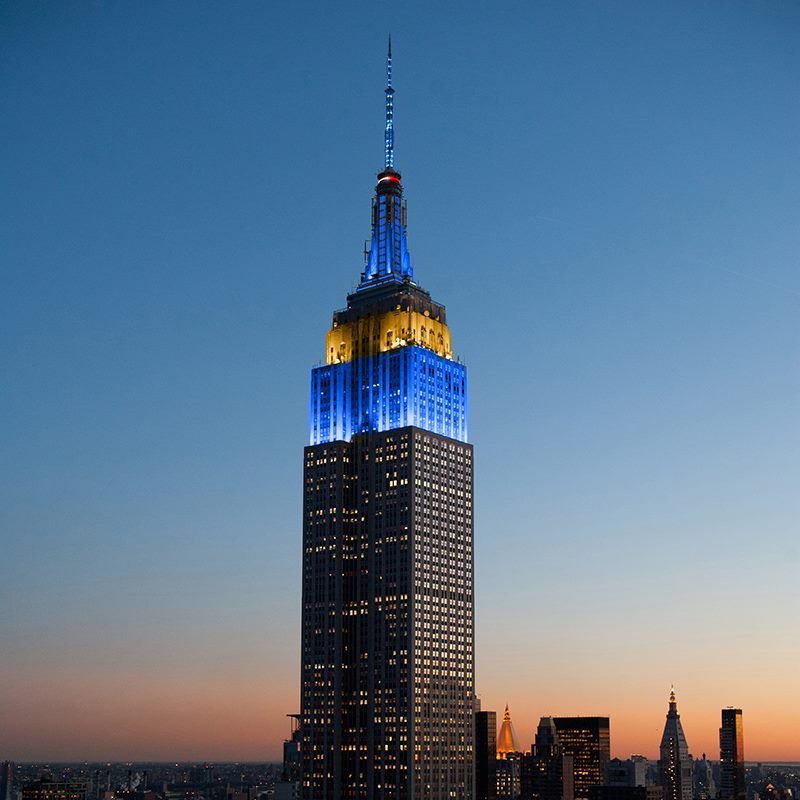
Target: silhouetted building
[292,761]
[731,756]
[630,772]
[674,763]
[509,776]
[6,780]
[485,755]
[650,792]
[289,786]
[588,741]
[133,794]
[387,675]
[547,770]
[705,787]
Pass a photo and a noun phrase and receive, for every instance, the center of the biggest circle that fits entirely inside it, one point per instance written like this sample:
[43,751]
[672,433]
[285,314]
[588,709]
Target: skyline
[645,306]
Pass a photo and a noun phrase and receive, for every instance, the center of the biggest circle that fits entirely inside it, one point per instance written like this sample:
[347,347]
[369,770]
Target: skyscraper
[705,787]
[546,770]
[674,762]
[731,756]
[288,787]
[387,674]
[588,741]
[485,755]
[509,760]
[6,780]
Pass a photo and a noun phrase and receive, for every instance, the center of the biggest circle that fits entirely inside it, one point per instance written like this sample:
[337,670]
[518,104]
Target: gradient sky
[606,197]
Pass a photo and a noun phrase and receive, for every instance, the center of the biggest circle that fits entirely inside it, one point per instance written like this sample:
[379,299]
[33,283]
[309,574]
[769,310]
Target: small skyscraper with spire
[675,770]
[387,671]
[509,760]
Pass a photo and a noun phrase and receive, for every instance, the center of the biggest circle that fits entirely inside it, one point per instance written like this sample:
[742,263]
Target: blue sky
[606,198]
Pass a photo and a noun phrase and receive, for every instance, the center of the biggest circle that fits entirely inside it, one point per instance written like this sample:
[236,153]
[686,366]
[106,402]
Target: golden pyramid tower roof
[507,741]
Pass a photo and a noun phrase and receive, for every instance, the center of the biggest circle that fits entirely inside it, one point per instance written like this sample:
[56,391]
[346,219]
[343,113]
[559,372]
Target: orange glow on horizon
[242,717]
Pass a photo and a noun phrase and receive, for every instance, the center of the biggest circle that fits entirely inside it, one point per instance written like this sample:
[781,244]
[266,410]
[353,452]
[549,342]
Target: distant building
[588,741]
[132,794]
[508,762]
[641,769]
[289,787]
[705,787]
[485,755]
[731,756]
[547,770]
[46,789]
[630,772]
[6,780]
[292,756]
[674,763]
[651,792]
[287,790]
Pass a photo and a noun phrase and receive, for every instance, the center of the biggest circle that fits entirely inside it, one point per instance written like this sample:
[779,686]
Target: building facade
[387,672]
[630,772]
[675,769]
[705,787]
[588,741]
[731,756]
[485,755]
[650,792]
[547,770]
[45,789]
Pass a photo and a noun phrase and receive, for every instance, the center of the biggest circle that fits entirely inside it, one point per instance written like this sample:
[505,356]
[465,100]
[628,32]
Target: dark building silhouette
[675,764]
[485,755]
[6,780]
[547,770]
[650,792]
[387,673]
[588,741]
[289,785]
[731,756]
[705,787]
[630,772]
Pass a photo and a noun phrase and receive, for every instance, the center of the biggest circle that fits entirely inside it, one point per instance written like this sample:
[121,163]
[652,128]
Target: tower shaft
[387,675]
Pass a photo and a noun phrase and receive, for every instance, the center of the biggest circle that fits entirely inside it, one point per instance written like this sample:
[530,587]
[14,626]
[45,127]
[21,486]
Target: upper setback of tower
[388,355]
[387,310]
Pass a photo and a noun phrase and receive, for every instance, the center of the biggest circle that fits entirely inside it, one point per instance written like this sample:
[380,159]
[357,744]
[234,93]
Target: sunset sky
[605,196]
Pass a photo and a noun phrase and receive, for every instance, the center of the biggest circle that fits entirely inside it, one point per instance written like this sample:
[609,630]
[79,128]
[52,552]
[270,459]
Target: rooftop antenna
[389,135]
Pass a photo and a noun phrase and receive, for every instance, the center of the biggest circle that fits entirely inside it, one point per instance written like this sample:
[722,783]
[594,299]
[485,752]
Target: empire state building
[387,677]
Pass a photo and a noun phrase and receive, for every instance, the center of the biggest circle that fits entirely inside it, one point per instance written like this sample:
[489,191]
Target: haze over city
[606,199]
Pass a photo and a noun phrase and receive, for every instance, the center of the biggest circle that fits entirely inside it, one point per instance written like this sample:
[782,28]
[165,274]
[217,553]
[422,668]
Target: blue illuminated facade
[407,386]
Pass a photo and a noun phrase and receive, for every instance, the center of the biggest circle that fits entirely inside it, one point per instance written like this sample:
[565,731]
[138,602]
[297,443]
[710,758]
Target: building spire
[507,741]
[389,134]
